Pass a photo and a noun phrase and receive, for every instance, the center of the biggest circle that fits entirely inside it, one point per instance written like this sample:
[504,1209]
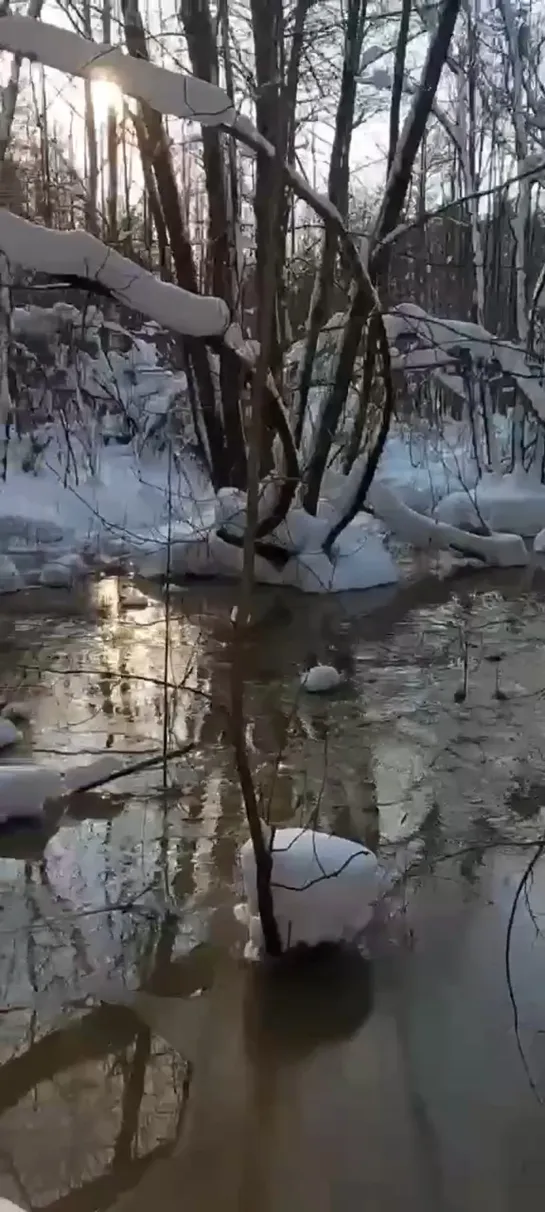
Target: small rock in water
[320,679]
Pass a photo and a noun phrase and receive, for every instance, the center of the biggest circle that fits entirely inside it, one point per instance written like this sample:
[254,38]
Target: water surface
[139,1057]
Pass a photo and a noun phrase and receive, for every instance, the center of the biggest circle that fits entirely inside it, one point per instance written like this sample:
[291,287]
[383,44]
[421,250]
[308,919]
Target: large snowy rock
[323,888]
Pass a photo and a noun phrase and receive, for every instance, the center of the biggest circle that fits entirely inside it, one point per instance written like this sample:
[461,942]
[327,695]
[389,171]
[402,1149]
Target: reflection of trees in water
[142,1088]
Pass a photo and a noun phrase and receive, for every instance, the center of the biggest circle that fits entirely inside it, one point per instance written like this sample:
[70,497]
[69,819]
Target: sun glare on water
[106,96]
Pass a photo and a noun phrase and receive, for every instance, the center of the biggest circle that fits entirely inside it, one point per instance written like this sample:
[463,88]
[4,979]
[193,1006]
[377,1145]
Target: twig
[136,767]
[508,975]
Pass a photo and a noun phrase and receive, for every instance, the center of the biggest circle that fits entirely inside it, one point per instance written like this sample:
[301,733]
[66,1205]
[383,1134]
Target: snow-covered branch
[438,340]
[498,550]
[77,254]
[169,92]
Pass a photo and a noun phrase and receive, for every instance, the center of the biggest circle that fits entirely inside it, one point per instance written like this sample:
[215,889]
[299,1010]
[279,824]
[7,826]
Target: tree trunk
[221,245]
[338,194]
[394,199]
[111,141]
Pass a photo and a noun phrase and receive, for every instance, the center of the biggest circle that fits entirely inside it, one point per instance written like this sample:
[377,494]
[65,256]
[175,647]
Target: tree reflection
[121,1051]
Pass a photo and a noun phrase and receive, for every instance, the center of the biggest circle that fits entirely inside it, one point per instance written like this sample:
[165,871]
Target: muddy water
[139,1058]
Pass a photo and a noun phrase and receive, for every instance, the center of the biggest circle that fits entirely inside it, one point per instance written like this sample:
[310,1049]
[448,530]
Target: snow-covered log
[498,550]
[78,254]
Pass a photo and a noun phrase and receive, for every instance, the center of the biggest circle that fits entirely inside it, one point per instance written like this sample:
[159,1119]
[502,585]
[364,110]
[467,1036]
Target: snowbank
[359,559]
[120,509]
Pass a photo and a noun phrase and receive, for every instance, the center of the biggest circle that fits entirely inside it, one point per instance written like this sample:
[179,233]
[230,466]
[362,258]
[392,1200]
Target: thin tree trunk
[111,141]
[338,194]
[159,153]
[221,244]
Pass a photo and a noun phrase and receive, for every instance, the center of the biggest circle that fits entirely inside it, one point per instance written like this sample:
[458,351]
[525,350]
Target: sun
[106,96]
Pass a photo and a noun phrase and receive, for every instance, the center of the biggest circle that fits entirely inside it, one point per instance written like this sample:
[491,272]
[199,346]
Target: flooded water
[140,1058]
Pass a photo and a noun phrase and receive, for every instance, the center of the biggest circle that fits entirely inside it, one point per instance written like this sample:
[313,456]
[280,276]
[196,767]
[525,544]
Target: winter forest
[272,586]
[206,253]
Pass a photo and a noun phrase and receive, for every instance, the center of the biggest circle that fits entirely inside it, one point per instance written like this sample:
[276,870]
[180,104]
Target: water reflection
[119,959]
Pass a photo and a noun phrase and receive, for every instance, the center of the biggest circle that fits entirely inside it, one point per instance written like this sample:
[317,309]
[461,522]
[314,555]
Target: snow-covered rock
[18,713]
[9,734]
[320,679]
[539,541]
[10,578]
[323,888]
[25,788]
[132,599]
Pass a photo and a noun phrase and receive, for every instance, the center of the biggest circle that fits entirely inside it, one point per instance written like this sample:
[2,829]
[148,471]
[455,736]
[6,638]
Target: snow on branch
[78,254]
[438,342]
[170,92]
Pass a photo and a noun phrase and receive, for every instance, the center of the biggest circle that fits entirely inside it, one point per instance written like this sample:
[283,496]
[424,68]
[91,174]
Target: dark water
[140,1058]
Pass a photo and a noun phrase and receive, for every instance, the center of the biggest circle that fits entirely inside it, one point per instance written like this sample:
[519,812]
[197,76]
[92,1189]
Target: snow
[436,337]
[323,888]
[9,734]
[24,790]
[513,503]
[117,510]
[36,248]
[499,550]
[320,679]
[78,778]
[25,787]
[167,91]
[132,599]
[82,505]
[63,572]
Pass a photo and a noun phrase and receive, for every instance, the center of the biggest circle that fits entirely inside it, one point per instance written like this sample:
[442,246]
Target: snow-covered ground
[63,519]
[94,480]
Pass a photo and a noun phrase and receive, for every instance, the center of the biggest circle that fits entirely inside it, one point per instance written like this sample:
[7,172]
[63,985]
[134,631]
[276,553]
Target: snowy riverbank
[160,515]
